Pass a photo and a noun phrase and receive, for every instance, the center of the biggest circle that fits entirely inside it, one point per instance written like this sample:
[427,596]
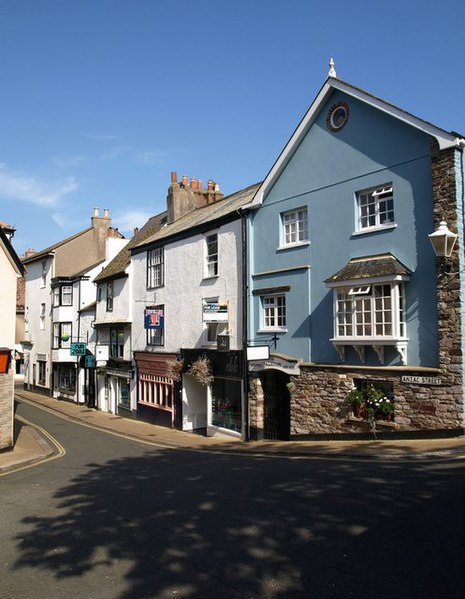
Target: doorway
[277,405]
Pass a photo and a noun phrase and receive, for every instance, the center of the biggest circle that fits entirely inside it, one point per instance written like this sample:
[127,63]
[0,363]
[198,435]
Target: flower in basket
[355,397]
[356,401]
[377,403]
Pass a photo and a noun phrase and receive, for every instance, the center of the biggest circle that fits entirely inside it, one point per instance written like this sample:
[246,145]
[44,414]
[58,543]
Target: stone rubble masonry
[319,395]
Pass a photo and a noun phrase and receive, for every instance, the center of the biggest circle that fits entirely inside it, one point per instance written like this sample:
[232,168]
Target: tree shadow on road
[198,525]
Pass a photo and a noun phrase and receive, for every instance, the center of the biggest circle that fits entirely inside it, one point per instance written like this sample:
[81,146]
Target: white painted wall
[37,293]
[8,278]
[186,286]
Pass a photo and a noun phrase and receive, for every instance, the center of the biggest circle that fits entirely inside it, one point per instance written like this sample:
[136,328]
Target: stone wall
[319,401]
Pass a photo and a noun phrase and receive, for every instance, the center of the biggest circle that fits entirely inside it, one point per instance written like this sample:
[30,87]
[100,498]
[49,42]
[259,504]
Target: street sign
[78,348]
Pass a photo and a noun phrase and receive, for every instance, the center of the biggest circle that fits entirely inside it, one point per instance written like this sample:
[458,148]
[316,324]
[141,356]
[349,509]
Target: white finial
[332,70]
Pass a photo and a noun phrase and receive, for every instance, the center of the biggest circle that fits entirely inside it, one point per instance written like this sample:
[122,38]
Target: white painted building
[60,302]
[187,293]
[10,271]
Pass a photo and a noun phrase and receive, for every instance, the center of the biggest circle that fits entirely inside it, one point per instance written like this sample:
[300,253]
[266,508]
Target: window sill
[293,246]
[275,330]
[374,229]
[210,277]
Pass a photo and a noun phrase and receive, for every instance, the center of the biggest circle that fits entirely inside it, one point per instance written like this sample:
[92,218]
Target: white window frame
[43,276]
[110,296]
[42,317]
[373,209]
[273,312]
[294,227]
[155,268]
[211,257]
[364,315]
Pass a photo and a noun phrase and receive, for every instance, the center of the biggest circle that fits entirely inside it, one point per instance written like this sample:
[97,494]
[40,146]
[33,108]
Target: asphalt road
[118,519]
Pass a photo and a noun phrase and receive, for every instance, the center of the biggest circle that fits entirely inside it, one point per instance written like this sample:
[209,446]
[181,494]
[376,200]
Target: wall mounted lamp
[443,240]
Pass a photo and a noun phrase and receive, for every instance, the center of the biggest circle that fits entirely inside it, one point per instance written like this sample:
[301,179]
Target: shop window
[42,372]
[124,396]
[226,404]
[67,378]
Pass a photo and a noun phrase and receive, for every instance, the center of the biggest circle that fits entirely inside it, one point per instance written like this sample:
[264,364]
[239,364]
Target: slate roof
[117,267]
[369,267]
[202,216]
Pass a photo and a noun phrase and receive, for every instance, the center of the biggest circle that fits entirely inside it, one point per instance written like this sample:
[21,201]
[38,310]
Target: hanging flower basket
[64,337]
[174,369]
[201,370]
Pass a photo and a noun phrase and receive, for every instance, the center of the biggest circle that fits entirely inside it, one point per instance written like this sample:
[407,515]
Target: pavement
[33,445]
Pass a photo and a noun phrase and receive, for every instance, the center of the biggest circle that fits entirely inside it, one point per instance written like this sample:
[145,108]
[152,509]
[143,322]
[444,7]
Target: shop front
[213,400]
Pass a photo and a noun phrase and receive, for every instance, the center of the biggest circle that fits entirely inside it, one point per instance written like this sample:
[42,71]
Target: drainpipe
[245,312]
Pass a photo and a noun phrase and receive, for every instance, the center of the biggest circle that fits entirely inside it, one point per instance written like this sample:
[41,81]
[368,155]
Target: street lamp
[443,240]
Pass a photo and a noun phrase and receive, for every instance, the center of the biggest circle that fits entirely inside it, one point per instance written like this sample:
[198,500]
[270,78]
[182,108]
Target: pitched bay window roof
[383,266]
[369,306]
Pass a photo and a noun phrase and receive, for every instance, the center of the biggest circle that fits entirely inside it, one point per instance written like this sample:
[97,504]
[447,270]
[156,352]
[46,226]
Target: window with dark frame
[62,335]
[156,337]
[117,343]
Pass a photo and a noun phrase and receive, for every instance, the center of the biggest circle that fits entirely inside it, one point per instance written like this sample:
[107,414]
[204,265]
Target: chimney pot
[185,180]
[199,185]
[106,213]
[96,212]
[174,177]
[193,183]
[210,185]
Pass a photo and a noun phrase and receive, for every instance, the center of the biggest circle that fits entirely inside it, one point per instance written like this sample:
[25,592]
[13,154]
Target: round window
[338,116]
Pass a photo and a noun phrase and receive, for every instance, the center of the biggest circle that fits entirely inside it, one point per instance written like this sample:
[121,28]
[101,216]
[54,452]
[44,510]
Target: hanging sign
[215,312]
[78,348]
[154,318]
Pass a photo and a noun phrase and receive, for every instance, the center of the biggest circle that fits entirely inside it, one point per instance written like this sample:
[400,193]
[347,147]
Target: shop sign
[89,362]
[258,352]
[215,312]
[78,348]
[222,343]
[422,380]
[275,364]
[154,318]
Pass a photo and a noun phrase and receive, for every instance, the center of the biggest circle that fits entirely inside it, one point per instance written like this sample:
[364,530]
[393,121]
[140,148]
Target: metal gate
[277,417]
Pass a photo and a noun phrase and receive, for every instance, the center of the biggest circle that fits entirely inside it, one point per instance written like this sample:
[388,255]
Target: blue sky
[101,99]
